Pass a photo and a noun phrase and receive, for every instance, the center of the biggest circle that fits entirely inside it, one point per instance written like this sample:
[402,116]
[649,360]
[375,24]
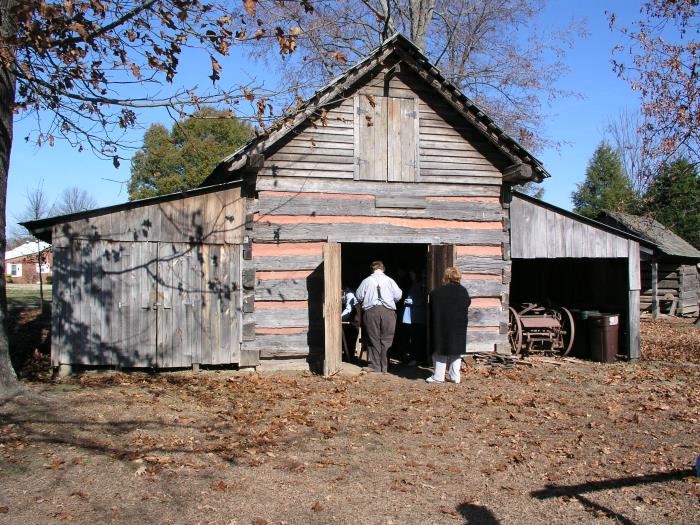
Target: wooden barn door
[440,257]
[386,139]
[332,299]
[179,305]
[198,310]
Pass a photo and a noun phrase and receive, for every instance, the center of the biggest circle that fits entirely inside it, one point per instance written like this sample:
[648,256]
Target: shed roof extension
[399,47]
[646,227]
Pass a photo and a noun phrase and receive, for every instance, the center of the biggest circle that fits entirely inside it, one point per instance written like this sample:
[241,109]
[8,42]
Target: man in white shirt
[378,294]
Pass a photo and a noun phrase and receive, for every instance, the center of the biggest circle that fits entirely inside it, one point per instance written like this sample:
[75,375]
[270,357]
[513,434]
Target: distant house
[22,263]
[670,275]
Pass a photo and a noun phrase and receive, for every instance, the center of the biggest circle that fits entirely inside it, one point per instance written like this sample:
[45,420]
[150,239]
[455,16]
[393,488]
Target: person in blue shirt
[378,294]
[413,319]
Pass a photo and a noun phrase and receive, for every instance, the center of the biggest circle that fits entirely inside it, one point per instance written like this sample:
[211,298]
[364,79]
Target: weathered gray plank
[175,220]
[354,232]
[376,188]
[467,178]
[485,287]
[281,290]
[297,262]
[483,265]
[382,206]
[282,317]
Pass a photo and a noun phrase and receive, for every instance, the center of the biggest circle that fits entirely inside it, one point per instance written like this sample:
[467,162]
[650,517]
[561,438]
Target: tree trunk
[41,285]
[8,378]
[421,14]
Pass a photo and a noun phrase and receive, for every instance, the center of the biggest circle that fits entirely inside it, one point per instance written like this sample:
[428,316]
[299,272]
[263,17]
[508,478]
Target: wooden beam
[633,343]
[517,172]
[255,161]
[654,287]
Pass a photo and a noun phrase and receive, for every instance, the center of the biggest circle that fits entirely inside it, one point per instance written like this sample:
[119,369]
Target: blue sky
[579,123]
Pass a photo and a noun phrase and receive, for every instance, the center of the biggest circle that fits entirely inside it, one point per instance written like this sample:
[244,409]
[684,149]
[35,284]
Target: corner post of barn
[634,276]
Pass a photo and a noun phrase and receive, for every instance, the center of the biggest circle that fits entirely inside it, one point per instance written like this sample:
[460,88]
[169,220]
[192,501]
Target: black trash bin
[603,332]
[581,348]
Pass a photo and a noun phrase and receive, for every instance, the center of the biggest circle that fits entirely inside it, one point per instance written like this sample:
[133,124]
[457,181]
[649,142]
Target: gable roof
[28,248]
[407,53]
[668,242]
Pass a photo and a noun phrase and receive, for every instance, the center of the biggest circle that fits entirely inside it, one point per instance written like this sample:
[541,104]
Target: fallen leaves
[526,428]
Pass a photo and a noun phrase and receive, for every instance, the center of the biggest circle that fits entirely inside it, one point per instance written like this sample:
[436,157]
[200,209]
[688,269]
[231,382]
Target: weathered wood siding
[676,280]
[211,218]
[153,286]
[539,232]
[306,196]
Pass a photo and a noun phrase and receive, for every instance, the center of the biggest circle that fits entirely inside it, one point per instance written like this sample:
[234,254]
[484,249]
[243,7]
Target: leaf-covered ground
[568,443]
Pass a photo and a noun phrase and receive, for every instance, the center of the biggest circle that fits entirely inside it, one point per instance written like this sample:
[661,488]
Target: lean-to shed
[670,274]
[565,259]
[389,161]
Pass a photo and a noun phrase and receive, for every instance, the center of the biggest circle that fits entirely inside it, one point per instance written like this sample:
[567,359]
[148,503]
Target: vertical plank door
[332,300]
[371,138]
[143,313]
[440,257]
[402,139]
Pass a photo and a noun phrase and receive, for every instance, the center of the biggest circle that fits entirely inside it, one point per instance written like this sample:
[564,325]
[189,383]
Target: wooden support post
[195,367]
[633,301]
[654,287]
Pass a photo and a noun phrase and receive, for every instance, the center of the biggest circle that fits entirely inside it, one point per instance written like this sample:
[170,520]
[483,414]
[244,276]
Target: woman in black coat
[449,315]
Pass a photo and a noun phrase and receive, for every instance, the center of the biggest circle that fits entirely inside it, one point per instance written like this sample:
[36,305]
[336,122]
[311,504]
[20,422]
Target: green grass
[26,296]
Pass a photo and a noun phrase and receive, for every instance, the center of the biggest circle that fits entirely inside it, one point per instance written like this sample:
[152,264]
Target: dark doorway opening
[583,286]
[400,261]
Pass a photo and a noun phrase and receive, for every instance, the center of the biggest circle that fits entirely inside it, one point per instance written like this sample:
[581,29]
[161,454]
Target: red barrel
[603,333]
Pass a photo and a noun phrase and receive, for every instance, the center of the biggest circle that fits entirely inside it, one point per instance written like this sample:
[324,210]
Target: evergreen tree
[180,159]
[606,187]
[673,199]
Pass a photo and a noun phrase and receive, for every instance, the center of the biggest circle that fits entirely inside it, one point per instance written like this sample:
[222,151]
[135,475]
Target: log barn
[670,283]
[390,161]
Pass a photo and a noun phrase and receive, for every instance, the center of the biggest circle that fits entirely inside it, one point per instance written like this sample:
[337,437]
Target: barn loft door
[332,301]
[386,139]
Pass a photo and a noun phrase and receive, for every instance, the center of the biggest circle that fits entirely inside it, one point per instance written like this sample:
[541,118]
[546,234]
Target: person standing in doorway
[449,314]
[378,294]
[413,320]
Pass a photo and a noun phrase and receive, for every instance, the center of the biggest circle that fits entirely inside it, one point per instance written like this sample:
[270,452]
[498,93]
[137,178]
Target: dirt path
[548,444]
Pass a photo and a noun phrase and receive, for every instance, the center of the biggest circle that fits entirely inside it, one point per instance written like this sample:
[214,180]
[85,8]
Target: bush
[48,279]
[8,279]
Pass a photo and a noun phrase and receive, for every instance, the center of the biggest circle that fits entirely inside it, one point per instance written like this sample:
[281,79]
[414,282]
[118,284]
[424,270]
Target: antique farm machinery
[536,328]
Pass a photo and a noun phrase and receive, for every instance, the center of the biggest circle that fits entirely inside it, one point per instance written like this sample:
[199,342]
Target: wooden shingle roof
[668,242]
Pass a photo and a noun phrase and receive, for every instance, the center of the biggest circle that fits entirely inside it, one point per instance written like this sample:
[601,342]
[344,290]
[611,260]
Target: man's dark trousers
[379,323]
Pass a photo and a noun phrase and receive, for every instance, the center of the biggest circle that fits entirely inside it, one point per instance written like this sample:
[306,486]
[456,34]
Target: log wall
[676,280]
[306,196]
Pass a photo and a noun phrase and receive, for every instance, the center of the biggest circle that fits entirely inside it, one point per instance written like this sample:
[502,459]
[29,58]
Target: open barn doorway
[405,263]
[585,286]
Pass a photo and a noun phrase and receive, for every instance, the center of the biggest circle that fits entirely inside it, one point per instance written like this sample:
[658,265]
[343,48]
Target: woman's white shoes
[431,379]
